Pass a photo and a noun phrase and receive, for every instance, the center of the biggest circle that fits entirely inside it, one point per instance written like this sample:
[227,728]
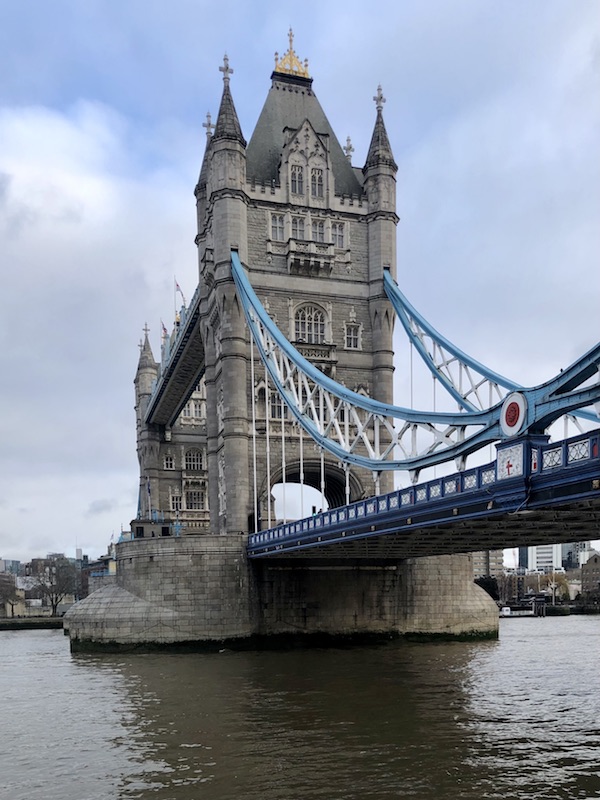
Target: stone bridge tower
[315,234]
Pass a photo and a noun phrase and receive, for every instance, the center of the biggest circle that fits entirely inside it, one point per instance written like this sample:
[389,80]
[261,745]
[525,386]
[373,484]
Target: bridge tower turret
[147,436]
[380,183]
[314,234]
[222,226]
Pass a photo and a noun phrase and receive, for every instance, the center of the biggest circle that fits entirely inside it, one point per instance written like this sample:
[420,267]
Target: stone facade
[315,235]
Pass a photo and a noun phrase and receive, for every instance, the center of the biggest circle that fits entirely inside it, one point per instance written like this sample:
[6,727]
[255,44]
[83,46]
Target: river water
[514,718]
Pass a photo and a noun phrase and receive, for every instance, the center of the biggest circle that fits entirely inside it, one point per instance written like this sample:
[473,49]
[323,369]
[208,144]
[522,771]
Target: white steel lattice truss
[361,431]
[472,384]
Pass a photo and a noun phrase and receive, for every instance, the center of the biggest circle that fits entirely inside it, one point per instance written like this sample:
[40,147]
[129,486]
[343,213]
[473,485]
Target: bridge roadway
[556,498]
[182,369]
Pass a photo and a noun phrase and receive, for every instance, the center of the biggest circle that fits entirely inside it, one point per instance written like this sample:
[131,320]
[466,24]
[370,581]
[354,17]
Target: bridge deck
[182,371]
[555,499]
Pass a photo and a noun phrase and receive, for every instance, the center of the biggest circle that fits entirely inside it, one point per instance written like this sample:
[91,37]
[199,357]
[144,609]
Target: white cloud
[91,248]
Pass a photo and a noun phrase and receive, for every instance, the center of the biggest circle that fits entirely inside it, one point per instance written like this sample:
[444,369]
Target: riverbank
[30,623]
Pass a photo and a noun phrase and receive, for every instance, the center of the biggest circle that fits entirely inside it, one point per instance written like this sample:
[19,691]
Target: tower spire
[228,124]
[380,150]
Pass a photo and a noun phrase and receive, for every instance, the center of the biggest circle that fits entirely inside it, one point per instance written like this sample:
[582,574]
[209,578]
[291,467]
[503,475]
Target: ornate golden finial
[379,99]
[290,64]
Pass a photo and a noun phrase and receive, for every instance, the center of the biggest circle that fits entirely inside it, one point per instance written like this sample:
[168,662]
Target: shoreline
[30,623]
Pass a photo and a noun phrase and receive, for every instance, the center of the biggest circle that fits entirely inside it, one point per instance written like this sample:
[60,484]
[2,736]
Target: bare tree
[8,592]
[54,580]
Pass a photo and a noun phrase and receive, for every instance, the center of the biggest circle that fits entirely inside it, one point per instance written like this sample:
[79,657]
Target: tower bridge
[281,370]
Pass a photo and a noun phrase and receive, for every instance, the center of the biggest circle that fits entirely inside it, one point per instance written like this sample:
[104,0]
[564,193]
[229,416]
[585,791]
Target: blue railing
[545,459]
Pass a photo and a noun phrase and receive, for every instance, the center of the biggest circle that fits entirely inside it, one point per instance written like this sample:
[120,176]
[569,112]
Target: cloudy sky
[493,113]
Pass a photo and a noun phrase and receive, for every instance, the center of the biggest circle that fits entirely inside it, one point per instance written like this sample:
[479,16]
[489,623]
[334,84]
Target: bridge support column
[192,590]
[440,598]
[427,597]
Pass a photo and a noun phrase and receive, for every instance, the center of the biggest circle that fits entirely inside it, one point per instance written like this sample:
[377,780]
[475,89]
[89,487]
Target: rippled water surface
[517,718]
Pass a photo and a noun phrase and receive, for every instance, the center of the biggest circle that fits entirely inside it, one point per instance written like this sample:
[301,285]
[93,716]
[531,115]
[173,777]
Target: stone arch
[335,480]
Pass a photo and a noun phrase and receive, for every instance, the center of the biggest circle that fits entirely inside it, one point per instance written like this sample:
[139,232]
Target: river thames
[514,718]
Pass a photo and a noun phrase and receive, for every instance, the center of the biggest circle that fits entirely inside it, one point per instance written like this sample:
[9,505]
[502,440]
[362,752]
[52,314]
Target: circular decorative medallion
[512,415]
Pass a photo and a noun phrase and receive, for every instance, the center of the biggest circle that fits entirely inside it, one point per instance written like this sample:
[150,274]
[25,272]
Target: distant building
[553,557]
[10,565]
[590,575]
[488,563]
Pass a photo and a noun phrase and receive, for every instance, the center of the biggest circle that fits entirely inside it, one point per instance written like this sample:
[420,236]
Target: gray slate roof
[290,101]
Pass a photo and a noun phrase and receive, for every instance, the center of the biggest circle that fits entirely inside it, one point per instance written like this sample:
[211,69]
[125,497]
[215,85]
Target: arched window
[337,234]
[316,182]
[278,408]
[297,228]
[318,231]
[277,227]
[352,336]
[297,179]
[309,325]
[193,460]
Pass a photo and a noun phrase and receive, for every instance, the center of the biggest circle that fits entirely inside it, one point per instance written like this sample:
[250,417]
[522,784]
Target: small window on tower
[277,227]
[193,460]
[309,325]
[352,337]
[278,407]
[318,231]
[316,182]
[194,500]
[175,502]
[169,462]
[337,234]
[297,228]
[297,179]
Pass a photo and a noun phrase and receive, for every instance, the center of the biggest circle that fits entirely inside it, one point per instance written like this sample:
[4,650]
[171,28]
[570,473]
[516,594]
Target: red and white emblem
[513,413]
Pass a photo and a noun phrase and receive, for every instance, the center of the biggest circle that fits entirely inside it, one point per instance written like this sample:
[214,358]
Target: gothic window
[194,500]
[297,179]
[278,408]
[309,325]
[316,182]
[175,502]
[187,411]
[169,462]
[318,231]
[352,336]
[277,227]
[198,407]
[297,228]
[337,234]
[193,460]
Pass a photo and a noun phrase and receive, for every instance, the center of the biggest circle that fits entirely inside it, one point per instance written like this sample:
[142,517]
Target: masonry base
[201,593]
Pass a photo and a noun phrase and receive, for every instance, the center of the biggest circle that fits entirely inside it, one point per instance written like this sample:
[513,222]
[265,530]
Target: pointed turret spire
[209,131]
[380,151]
[146,356]
[228,124]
